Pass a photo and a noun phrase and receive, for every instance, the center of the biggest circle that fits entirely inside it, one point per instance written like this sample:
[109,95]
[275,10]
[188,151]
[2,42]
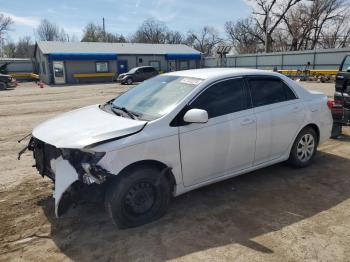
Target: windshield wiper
[126,111]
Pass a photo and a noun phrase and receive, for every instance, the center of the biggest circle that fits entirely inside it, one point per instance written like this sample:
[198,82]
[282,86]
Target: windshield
[156,96]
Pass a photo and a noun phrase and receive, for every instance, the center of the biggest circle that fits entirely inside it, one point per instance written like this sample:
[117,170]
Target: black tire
[129,81]
[138,197]
[302,155]
[3,86]
[336,130]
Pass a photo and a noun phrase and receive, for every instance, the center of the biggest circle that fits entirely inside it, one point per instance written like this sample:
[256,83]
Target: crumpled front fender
[65,176]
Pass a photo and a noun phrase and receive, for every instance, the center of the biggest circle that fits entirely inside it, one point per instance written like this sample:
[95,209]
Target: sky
[121,16]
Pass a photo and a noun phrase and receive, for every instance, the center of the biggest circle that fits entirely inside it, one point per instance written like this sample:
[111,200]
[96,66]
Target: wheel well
[151,163]
[316,129]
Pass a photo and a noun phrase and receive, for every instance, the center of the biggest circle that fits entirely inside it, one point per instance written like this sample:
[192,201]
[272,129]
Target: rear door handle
[247,121]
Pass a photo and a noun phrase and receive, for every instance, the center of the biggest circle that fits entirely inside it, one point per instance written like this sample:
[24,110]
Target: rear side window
[346,64]
[223,98]
[267,91]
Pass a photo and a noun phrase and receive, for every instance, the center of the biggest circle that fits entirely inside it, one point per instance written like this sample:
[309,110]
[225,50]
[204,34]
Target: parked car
[6,81]
[137,74]
[177,132]
[341,106]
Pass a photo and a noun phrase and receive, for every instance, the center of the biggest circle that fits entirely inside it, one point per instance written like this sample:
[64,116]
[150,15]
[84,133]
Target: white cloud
[22,20]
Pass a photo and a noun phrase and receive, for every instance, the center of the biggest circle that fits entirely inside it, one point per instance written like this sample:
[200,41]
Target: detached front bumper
[66,167]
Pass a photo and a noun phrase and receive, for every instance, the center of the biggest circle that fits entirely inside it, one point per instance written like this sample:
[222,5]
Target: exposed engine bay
[77,170]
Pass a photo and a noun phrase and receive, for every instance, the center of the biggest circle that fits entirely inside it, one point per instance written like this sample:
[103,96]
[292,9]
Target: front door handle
[247,121]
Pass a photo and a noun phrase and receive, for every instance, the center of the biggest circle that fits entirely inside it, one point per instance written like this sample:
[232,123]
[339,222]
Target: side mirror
[196,116]
[348,69]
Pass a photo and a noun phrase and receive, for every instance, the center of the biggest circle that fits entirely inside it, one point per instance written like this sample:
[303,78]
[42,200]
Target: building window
[140,60]
[155,64]
[43,67]
[183,65]
[102,67]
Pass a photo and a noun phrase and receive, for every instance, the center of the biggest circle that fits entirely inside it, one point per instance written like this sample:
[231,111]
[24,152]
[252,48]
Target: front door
[122,66]
[59,72]
[225,143]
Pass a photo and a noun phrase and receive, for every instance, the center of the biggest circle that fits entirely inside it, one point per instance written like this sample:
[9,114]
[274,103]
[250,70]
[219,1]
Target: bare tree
[205,40]
[268,15]
[24,47]
[9,50]
[324,11]
[174,37]
[244,35]
[48,31]
[151,31]
[95,33]
[336,35]
[5,23]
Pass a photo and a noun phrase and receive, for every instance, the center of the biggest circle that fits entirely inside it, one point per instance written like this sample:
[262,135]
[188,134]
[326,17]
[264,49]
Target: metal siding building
[18,65]
[72,62]
[317,59]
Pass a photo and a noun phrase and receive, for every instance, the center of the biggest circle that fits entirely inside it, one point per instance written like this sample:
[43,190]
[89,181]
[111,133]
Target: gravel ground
[275,214]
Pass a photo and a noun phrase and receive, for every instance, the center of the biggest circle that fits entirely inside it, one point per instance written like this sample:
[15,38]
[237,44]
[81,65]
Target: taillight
[338,102]
[330,104]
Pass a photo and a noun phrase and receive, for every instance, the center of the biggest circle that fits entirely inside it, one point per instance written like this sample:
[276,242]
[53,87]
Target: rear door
[225,143]
[139,75]
[279,114]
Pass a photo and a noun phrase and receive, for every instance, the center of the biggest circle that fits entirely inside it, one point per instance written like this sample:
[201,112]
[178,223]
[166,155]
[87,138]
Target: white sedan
[177,132]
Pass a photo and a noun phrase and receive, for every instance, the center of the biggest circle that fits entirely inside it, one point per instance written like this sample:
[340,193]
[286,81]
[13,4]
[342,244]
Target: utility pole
[104,29]
[267,30]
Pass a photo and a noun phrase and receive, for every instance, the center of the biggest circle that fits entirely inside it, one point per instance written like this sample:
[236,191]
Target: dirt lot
[275,214]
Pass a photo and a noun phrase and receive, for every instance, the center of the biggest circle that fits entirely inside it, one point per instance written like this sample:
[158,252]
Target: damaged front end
[70,169]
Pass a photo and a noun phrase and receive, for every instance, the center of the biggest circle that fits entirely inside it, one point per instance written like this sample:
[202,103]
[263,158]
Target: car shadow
[233,211]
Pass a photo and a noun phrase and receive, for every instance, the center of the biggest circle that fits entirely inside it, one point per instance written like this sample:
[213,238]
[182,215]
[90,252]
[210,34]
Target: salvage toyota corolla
[177,132]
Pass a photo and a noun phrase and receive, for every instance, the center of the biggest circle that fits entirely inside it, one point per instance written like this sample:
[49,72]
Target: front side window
[223,98]
[157,96]
[265,91]
[101,67]
[346,65]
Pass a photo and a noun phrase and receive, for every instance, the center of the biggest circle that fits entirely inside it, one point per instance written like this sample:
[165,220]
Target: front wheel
[304,148]
[138,197]
[129,81]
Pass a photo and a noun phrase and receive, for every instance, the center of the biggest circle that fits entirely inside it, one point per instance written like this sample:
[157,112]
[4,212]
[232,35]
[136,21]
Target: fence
[299,60]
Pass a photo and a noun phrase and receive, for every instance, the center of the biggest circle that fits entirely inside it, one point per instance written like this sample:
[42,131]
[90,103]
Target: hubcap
[306,147]
[140,198]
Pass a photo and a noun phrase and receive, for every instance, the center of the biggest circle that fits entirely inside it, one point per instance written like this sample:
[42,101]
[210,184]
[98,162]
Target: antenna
[104,29]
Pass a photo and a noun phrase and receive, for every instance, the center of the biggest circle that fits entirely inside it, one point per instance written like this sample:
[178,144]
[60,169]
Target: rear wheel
[304,148]
[137,198]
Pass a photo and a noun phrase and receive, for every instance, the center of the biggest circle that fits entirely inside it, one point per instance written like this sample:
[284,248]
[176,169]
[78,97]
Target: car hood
[85,126]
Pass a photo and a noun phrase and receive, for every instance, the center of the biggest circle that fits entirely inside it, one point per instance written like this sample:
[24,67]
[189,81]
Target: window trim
[96,62]
[272,78]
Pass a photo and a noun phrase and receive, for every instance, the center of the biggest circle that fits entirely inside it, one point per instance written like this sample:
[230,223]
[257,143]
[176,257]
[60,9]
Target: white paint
[65,176]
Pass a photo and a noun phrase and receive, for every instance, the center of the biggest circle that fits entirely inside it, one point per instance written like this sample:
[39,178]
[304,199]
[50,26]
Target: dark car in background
[341,105]
[6,81]
[137,74]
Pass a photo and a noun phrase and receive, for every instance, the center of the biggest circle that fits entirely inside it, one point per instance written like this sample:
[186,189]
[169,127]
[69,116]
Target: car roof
[144,67]
[209,73]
